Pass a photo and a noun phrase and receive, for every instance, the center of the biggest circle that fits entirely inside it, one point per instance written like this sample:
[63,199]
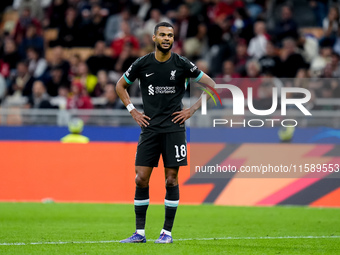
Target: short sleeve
[132,73]
[191,70]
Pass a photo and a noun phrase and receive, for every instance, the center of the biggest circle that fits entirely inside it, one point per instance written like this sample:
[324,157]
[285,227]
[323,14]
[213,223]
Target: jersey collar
[158,62]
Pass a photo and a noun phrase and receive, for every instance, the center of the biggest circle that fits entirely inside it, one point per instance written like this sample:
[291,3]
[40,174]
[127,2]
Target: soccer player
[162,75]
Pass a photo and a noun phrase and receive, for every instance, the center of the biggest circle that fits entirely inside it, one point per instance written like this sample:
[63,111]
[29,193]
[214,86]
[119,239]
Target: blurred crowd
[227,39]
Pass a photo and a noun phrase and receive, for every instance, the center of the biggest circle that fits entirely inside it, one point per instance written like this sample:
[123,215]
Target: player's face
[164,39]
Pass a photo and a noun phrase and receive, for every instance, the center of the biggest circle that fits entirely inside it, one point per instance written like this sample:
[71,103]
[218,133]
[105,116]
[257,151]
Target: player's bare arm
[139,117]
[183,115]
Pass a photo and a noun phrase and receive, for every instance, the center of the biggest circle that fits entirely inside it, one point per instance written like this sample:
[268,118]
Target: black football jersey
[162,86]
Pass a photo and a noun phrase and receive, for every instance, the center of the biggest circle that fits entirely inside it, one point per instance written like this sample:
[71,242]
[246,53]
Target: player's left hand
[181,116]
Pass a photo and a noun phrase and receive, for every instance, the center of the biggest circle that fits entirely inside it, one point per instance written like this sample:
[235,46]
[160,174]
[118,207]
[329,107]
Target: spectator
[167,7]
[286,27]
[124,37]
[37,65]
[55,14]
[327,71]
[85,78]
[270,62]
[75,4]
[125,59]
[220,32]
[242,25]
[241,57]
[99,60]
[220,39]
[185,25]
[253,70]
[194,46]
[194,6]
[113,25]
[257,45]
[11,55]
[228,71]
[320,8]
[203,66]
[39,98]
[58,60]
[112,100]
[302,80]
[291,61]
[103,80]
[32,39]
[309,46]
[4,69]
[25,19]
[255,7]
[92,30]
[155,18]
[36,7]
[79,98]
[75,59]
[228,76]
[68,35]
[331,25]
[226,8]
[56,81]
[335,64]
[147,45]
[60,101]
[21,84]
[319,62]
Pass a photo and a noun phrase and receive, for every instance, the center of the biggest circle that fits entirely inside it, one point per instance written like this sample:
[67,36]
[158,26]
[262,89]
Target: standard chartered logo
[151,90]
[165,90]
[161,90]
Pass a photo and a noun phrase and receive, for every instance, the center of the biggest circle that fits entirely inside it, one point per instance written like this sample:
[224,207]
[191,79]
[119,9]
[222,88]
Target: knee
[141,181]
[171,181]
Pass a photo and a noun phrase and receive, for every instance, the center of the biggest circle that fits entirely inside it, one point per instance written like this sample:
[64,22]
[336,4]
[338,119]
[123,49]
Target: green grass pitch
[60,228]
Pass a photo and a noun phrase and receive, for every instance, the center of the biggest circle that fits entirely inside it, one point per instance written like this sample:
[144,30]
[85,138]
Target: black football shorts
[172,147]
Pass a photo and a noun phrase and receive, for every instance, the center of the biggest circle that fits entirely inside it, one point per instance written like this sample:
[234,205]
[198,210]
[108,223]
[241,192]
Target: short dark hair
[162,24]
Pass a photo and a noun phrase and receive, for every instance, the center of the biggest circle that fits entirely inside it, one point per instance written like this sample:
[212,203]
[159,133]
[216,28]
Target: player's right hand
[140,118]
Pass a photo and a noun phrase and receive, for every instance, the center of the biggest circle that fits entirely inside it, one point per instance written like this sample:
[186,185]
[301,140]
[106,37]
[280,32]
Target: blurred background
[61,59]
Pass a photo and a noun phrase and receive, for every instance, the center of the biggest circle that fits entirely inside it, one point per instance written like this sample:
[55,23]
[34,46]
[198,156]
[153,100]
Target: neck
[162,57]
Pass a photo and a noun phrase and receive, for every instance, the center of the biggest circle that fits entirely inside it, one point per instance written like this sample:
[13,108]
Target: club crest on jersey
[172,73]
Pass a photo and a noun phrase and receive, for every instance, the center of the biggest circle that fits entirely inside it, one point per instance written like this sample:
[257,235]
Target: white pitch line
[185,239]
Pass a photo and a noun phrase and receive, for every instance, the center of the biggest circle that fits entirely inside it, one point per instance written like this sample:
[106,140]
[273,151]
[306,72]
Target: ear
[153,38]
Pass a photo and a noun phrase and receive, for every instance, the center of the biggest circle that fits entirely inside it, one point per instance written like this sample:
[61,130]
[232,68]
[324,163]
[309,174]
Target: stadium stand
[213,32]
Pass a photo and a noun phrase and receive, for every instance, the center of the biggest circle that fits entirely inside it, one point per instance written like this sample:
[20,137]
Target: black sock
[141,205]
[171,203]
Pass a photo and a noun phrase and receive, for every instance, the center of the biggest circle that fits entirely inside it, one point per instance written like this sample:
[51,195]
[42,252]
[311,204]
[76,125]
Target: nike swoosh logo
[179,160]
[147,75]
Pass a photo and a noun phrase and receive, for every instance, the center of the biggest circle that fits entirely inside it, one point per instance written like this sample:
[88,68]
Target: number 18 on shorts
[172,147]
